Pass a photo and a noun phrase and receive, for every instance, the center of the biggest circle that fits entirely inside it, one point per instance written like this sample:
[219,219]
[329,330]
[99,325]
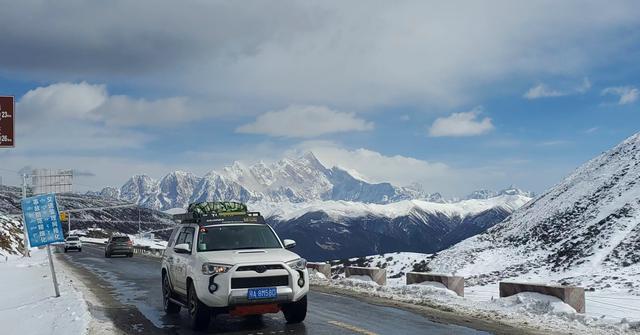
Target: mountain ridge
[296,180]
[584,231]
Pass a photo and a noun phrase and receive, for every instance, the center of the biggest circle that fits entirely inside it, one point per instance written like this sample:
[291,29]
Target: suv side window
[186,236]
[173,237]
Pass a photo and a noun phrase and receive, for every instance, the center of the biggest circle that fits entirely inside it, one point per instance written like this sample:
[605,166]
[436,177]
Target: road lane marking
[351,327]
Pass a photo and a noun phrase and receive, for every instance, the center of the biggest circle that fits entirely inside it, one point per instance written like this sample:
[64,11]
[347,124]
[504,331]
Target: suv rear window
[72,238]
[120,239]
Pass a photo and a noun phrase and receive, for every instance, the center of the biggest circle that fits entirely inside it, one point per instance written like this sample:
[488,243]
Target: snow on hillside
[340,209]
[11,236]
[585,231]
[31,308]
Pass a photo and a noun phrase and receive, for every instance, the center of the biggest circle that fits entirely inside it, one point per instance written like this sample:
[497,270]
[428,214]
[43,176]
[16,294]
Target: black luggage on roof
[218,212]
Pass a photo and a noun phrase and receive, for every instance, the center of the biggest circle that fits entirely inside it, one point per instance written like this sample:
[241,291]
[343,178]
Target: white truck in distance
[236,264]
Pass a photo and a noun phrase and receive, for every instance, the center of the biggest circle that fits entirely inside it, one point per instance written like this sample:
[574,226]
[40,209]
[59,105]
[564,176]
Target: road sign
[42,219]
[64,216]
[7,122]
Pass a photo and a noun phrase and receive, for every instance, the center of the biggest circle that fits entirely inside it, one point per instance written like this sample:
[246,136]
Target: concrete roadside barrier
[147,251]
[571,295]
[378,275]
[323,268]
[453,283]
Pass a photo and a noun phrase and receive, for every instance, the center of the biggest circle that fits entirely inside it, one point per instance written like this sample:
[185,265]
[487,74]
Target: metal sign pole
[53,271]
[24,223]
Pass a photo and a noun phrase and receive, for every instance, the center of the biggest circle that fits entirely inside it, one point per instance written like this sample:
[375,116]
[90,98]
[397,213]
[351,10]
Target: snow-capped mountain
[486,194]
[295,180]
[334,213]
[585,231]
[341,229]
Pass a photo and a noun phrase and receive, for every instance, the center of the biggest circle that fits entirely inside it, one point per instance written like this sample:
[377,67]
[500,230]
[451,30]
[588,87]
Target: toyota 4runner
[232,262]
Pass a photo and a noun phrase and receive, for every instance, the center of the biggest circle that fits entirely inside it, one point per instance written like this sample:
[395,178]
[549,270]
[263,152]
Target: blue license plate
[262,293]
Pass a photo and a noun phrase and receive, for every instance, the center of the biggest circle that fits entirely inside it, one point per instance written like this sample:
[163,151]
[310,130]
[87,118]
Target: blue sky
[456,96]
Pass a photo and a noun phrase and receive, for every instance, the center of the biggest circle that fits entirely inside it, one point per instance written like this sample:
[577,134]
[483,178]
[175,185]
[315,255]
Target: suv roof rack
[219,218]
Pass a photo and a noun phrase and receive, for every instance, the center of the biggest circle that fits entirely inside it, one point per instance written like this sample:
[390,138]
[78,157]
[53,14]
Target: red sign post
[7,122]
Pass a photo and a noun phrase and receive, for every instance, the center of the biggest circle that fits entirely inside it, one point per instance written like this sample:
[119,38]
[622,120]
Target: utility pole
[69,223]
[139,221]
[24,222]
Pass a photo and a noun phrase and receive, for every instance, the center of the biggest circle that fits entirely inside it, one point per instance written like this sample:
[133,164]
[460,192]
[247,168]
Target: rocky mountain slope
[341,229]
[124,220]
[583,231]
[10,236]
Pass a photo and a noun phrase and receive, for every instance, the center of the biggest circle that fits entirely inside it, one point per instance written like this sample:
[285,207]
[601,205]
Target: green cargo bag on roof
[222,208]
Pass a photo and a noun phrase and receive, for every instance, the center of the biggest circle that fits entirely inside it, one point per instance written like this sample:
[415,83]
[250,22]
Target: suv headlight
[298,264]
[214,268]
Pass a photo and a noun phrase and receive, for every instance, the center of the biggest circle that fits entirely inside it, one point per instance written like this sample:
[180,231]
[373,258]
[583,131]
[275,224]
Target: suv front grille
[259,282]
[260,268]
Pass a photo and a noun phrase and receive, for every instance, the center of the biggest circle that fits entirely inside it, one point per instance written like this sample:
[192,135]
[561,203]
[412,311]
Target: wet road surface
[136,305]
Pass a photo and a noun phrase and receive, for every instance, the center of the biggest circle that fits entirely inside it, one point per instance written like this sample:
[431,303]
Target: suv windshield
[72,238]
[237,237]
[120,239]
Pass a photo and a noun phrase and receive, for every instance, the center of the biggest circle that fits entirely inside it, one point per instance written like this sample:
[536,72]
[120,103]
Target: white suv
[235,265]
[72,242]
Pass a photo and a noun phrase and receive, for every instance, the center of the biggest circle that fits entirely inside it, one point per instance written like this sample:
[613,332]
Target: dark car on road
[118,245]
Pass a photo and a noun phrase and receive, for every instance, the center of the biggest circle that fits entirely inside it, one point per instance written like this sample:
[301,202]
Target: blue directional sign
[42,219]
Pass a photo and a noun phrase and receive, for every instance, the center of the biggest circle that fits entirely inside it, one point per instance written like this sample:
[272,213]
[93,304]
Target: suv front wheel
[169,306]
[199,313]
[295,312]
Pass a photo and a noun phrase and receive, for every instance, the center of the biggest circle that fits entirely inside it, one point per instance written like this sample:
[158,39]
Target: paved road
[134,303]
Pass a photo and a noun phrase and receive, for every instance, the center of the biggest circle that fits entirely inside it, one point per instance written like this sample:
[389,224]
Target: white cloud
[320,52]
[434,176]
[626,94]
[66,102]
[543,91]
[461,124]
[305,122]
[62,100]
[376,167]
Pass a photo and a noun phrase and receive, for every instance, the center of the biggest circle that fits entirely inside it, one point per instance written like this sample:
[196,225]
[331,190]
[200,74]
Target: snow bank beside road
[28,305]
[608,311]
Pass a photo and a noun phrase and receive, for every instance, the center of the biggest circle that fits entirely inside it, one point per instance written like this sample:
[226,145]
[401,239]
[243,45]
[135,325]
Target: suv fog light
[212,285]
[301,281]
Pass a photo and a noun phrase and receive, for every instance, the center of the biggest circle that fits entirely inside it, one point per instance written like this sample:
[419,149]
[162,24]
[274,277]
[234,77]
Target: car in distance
[72,242]
[118,245]
[232,264]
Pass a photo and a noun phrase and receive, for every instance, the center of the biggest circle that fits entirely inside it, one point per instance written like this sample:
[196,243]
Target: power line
[122,221]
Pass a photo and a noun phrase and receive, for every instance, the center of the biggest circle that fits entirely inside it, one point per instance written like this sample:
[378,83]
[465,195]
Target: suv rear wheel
[199,313]
[169,306]
[295,312]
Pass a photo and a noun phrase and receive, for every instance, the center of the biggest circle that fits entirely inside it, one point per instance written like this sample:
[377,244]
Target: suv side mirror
[288,244]
[182,248]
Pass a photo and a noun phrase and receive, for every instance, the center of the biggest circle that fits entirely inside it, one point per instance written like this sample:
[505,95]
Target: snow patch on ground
[28,305]
[608,312]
